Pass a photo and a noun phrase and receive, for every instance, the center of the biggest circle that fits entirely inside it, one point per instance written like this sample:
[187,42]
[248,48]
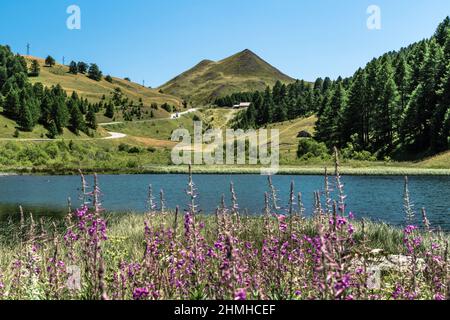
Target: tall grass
[229,255]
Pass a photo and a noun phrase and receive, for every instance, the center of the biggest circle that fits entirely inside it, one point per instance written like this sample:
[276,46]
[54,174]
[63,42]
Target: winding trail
[113,135]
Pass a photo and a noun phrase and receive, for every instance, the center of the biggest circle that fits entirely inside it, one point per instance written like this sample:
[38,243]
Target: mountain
[94,90]
[208,80]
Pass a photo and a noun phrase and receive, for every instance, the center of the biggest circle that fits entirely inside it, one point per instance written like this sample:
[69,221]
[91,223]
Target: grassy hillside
[208,80]
[94,90]
[439,161]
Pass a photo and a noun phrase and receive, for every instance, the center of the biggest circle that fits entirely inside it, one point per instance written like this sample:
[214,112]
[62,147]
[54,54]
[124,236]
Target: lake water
[376,198]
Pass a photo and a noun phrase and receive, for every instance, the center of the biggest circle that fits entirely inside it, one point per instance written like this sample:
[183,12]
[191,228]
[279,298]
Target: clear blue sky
[157,39]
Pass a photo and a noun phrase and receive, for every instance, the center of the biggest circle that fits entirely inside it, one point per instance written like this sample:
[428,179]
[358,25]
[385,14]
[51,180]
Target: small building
[242,105]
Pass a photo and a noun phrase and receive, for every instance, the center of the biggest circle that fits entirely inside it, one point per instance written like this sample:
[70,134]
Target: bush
[309,148]
[134,150]
[52,150]
[350,153]
[123,147]
[167,107]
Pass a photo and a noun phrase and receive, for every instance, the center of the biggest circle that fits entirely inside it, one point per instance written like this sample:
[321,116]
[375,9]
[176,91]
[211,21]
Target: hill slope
[208,80]
[94,90]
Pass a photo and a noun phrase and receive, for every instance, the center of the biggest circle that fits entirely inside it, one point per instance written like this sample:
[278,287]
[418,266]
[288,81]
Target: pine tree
[402,77]
[25,118]
[50,61]
[329,126]
[440,124]
[82,67]
[109,112]
[355,112]
[267,108]
[59,111]
[73,68]
[76,122]
[411,127]
[35,69]
[387,114]
[94,72]
[91,119]
[441,32]
[12,104]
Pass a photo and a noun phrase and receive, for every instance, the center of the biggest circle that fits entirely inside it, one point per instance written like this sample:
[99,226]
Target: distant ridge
[208,80]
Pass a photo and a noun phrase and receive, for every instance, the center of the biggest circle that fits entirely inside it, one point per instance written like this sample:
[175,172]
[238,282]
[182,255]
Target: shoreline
[223,170]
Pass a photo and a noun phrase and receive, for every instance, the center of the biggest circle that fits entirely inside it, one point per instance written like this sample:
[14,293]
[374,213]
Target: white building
[242,105]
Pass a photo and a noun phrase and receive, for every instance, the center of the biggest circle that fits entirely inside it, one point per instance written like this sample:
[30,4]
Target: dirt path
[113,135]
[174,116]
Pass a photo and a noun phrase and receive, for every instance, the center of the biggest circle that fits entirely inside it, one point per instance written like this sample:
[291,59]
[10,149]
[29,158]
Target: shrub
[309,148]
[123,147]
[350,153]
[52,150]
[134,150]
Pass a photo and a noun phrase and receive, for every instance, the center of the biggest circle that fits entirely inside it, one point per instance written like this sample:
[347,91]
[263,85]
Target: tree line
[397,104]
[93,71]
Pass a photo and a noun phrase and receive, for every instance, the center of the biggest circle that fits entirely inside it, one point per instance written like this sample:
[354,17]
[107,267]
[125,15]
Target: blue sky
[154,40]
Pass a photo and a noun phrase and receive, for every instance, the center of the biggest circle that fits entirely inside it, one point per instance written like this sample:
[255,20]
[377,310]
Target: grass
[219,118]
[438,161]
[209,80]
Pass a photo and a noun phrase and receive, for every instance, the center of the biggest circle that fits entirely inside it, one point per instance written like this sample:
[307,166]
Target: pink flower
[240,294]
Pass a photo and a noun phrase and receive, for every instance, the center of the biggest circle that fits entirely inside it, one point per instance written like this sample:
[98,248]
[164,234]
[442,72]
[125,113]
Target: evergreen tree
[12,104]
[355,112]
[440,124]
[402,77]
[50,61]
[94,72]
[267,108]
[329,126]
[76,122]
[25,117]
[59,111]
[411,123]
[386,115]
[442,31]
[73,68]
[82,67]
[91,119]
[35,69]
[109,112]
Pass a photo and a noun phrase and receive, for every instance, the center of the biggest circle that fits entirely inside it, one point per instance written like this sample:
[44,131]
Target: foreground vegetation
[173,255]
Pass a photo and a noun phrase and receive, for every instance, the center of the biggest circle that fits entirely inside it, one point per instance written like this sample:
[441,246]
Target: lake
[379,198]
